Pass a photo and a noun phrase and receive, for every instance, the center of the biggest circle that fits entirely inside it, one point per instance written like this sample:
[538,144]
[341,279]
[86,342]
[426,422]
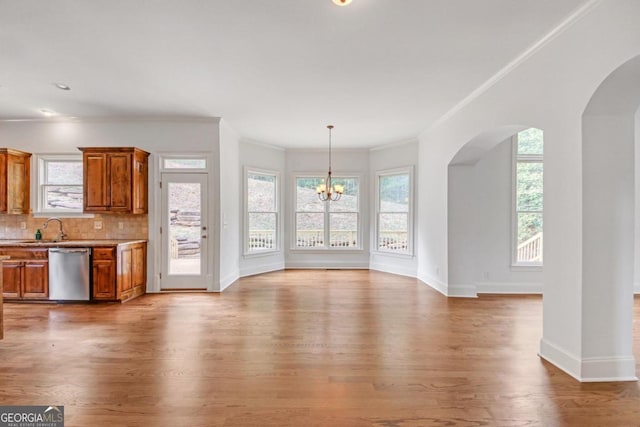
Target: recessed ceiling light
[47,113]
[62,86]
[342,2]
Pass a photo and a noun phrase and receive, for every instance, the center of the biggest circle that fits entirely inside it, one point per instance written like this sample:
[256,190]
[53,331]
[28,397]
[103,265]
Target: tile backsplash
[113,227]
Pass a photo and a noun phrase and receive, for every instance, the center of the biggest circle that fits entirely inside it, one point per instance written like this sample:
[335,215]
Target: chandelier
[328,191]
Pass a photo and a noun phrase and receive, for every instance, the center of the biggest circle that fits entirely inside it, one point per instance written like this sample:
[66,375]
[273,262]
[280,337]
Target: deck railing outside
[531,250]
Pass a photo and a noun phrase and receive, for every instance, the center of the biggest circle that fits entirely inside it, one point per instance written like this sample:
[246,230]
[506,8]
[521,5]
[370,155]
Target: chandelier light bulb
[341,2]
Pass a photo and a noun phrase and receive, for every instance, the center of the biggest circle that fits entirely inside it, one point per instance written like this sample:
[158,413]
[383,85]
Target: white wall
[230,196]
[154,136]
[494,274]
[259,156]
[316,162]
[637,207]
[549,89]
[384,158]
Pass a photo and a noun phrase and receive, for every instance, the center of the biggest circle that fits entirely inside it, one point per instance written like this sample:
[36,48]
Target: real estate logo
[31,416]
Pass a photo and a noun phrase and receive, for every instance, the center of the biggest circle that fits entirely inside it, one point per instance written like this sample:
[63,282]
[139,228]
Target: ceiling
[278,71]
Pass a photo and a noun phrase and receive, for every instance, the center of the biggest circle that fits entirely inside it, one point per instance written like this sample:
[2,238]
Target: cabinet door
[36,280]
[104,279]
[120,182]
[95,182]
[138,263]
[18,189]
[12,279]
[126,283]
[140,183]
[3,182]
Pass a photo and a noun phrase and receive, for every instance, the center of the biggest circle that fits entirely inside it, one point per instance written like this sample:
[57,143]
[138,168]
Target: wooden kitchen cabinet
[26,275]
[14,181]
[115,180]
[104,274]
[119,274]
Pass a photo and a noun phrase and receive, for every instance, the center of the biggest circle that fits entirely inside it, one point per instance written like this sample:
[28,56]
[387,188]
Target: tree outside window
[529,171]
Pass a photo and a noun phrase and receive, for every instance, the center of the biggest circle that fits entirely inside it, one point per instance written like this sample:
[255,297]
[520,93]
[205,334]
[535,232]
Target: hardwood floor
[301,348]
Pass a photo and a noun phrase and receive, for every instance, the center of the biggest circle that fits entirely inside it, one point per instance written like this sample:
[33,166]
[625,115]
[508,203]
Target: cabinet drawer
[104,253]
[26,254]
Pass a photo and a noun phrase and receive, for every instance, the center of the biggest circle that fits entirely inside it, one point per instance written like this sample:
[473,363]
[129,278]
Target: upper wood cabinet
[115,179]
[14,181]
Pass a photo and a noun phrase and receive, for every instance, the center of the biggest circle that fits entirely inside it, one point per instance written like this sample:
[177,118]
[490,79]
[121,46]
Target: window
[327,225]
[261,211]
[394,211]
[184,163]
[59,184]
[528,197]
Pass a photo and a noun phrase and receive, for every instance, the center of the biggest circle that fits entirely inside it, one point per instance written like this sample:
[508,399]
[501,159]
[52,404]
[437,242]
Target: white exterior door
[184,231]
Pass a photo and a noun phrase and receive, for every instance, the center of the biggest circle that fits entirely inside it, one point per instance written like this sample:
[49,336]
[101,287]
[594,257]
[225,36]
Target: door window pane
[184,163]
[184,204]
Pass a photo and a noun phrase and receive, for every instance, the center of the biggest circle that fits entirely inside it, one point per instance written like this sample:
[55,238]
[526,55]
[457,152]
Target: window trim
[37,198]
[327,231]
[407,170]
[515,159]
[277,247]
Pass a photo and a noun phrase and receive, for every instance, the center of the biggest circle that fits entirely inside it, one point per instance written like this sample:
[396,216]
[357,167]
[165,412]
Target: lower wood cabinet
[104,274]
[26,275]
[119,273]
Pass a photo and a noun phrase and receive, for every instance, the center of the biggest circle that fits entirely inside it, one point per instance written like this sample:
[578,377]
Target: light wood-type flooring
[301,348]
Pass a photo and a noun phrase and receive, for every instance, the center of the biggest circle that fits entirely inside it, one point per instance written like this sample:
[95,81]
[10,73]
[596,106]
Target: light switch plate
[120,225]
[97,225]
[23,225]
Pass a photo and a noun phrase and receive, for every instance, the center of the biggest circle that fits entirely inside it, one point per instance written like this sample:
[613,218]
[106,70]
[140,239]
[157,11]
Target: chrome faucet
[61,234]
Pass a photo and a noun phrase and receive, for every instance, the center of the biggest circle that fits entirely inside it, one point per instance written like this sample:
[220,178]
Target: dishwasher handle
[70,251]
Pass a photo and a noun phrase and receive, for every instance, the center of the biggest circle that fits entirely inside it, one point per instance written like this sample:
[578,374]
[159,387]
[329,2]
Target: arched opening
[494,228]
[609,199]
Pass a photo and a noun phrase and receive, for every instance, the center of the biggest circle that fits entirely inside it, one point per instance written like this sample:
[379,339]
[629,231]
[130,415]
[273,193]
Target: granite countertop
[77,243]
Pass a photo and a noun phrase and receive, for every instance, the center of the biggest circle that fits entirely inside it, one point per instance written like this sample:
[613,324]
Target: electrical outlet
[23,225]
[486,275]
[120,225]
[97,225]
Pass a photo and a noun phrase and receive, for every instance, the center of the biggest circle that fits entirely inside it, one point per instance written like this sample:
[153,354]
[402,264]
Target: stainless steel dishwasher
[69,274]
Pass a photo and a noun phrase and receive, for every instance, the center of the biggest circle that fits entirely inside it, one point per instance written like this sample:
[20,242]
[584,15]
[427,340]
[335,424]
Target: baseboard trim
[605,369]
[560,358]
[462,291]
[508,288]
[261,268]
[434,283]
[393,269]
[229,280]
[589,369]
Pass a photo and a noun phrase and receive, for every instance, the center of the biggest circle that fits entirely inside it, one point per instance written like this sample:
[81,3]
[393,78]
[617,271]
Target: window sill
[262,253]
[62,215]
[527,267]
[326,250]
[393,254]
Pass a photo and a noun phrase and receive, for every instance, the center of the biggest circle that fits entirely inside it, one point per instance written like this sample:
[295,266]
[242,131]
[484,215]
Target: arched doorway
[609,216]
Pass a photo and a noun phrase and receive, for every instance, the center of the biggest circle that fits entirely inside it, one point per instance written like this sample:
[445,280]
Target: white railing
[393,241]
[531,250]
[262,239]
